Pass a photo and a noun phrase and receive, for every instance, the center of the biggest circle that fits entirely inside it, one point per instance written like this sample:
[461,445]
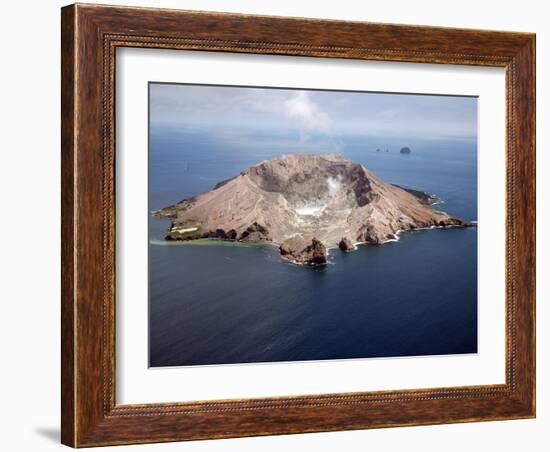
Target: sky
[311,115]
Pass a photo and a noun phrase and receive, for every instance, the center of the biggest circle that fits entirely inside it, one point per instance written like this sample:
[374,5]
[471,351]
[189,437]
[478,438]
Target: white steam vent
[334,185]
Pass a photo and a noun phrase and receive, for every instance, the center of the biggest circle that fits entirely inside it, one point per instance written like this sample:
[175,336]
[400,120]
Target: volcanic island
[305,204]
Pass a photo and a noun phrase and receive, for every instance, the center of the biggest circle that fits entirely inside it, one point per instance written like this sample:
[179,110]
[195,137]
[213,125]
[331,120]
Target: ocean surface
[221,303]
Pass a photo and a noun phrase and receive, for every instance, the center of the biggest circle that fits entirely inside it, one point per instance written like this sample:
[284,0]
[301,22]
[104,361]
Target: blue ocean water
[221,303]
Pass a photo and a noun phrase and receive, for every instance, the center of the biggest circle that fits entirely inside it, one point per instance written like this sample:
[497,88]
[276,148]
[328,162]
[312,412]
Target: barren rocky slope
[324,200]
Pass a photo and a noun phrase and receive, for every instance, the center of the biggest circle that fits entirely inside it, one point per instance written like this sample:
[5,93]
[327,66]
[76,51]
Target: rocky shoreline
[305,204]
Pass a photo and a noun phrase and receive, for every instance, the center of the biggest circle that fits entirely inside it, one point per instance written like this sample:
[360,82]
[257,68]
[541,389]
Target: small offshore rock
[346,245]
[303,251]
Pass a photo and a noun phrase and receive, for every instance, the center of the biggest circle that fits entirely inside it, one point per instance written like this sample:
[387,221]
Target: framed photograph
[281,225]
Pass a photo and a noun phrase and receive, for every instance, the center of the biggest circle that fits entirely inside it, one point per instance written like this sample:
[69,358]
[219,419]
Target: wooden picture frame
[90,36]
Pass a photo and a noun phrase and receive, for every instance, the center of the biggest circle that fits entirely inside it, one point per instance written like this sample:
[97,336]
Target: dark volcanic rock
[303,251]
[405,150]
[361,185]
[370,235]
[423,197]
[346,245]
[216,234]
[255,233]
[454,222]
[223,182]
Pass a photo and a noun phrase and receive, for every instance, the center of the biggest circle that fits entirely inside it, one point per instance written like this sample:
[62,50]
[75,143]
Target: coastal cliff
[305,204]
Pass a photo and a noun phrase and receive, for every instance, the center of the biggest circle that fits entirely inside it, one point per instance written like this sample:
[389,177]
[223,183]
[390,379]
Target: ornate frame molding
[90,37]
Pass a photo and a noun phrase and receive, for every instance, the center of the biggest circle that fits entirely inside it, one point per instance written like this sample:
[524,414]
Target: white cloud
[299,106]
[314,115]
[298,109]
